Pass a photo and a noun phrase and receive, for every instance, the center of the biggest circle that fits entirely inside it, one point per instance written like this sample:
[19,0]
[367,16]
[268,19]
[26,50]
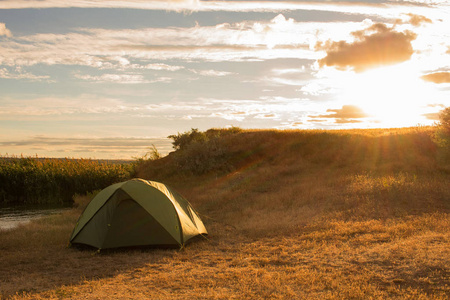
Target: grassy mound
[376,150]
[300,177]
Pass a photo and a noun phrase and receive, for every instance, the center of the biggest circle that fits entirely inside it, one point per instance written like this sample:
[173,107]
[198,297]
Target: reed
[33,180]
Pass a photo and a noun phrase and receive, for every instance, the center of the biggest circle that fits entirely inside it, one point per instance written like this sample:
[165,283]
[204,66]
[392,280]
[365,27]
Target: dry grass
[282,226]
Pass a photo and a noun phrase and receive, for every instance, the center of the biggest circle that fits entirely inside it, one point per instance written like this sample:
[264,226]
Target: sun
[393,96]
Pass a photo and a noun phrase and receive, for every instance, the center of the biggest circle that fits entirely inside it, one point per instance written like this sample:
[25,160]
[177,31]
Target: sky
[108,79]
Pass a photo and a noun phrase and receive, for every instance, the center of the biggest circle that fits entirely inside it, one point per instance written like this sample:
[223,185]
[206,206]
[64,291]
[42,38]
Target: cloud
[106,142]
[212,73]
[133,4]
[292,124]
[43,107]
[266,116]
[288,76]
[4,31]
[270,109]
[375,46]
[366,6]
[432,116]
[413,19]
[417,20]
[121,78]
[230,116]
[110,147]
[437,77]
[162,67]
[130,49]
[346,114]
[18,73]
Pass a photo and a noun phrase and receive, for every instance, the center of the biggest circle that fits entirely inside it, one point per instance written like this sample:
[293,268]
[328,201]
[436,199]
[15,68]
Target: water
[11,217]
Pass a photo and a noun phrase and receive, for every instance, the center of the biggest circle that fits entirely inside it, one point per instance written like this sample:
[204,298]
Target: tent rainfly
[137,213]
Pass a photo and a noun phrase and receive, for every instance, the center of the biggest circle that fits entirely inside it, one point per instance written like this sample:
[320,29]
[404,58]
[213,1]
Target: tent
[137,213]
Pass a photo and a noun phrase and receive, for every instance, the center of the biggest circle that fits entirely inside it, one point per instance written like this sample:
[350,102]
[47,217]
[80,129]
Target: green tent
[137,213]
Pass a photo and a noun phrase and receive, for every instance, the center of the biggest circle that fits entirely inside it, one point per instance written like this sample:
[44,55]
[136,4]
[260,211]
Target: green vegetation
[152,154]
[33,180]
[442,136]
[351,214]
[182,141]
[202,152]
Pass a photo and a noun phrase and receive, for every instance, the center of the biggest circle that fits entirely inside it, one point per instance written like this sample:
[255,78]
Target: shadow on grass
[36,257]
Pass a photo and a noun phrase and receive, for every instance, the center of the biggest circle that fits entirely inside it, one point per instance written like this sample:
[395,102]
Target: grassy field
[290,214]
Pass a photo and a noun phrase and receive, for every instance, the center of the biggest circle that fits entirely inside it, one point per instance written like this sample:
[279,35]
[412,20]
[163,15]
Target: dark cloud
[437,77]
[375,46]
[346,114]
[418,20]
[415,20]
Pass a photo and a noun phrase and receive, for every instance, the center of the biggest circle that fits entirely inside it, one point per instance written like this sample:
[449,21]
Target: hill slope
[296,177]
[351,202]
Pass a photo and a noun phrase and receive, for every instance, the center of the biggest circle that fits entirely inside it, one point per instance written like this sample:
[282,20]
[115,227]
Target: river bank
[13,216]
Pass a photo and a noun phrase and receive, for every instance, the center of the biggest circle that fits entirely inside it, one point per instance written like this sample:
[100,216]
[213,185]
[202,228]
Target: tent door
[132,225]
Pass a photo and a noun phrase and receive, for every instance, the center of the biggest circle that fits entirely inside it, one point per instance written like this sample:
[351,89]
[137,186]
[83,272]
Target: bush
[202,152]
[443,131]
[442,135]
[152,154]
[181,141]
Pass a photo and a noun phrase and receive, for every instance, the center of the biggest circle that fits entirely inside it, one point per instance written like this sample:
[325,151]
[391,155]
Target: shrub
[181,141]
[443,128]
[152,154]
[202,152]
[442,135]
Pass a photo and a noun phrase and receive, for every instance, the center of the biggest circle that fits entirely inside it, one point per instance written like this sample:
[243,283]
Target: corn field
[33,180]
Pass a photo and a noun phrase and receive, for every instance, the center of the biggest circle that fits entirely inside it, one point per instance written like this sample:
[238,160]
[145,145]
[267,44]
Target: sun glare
[392,96]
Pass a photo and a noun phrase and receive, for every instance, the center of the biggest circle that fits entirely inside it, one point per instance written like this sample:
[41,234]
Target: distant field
[361,214]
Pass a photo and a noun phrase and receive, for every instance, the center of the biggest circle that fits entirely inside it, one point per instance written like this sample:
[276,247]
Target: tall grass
[33,180]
